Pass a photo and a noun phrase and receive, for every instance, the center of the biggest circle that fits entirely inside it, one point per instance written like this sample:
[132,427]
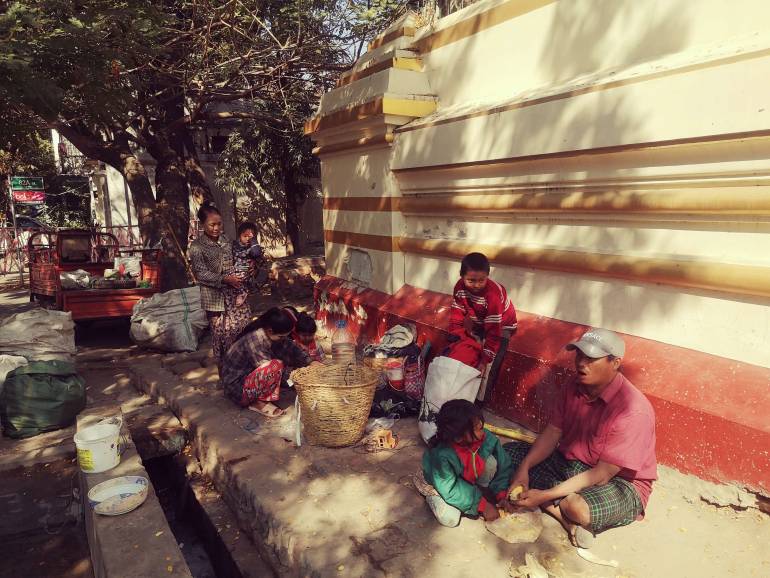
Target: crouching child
[465,471]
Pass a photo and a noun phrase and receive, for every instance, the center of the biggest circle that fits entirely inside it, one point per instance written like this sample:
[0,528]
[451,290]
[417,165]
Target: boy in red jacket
[481,308]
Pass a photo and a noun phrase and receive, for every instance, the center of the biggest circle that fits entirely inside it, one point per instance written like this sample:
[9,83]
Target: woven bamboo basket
[335,401]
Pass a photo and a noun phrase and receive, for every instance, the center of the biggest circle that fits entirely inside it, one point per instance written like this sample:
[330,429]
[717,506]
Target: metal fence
[9,254]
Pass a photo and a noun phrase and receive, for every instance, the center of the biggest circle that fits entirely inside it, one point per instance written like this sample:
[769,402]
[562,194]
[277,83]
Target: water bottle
[343,347]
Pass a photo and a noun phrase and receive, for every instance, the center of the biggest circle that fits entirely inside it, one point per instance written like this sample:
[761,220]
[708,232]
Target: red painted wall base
[712,413]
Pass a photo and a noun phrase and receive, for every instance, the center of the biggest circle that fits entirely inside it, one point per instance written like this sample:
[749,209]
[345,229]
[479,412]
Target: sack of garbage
[132,266]
[39,335]
[170,321]
[7,364]
[39,397]
[78,279]
[447,379]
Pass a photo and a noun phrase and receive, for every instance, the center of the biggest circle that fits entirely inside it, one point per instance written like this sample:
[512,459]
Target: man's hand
[233,281]
[490,512]
[520,478]
[531,499]
[506,505]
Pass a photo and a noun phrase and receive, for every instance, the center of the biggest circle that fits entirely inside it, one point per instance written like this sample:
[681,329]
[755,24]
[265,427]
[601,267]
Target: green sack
[40,397]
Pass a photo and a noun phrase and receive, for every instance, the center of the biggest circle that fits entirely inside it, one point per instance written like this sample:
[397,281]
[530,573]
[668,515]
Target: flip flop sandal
[589,556]
[422,486]
[277,412]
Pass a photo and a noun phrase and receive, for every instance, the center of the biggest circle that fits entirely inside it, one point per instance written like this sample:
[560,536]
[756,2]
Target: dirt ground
[682,535]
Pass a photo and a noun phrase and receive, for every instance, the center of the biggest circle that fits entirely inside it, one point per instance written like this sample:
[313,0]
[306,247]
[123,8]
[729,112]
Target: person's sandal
[421,485]
[266,412]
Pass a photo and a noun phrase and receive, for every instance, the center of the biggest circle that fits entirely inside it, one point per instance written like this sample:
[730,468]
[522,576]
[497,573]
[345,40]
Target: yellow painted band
[382,139]
[727,201]
[382,105]
[400,63]
[408,107]
[723,277]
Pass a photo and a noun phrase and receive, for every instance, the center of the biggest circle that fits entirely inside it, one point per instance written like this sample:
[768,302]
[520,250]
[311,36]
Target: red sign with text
[29,197]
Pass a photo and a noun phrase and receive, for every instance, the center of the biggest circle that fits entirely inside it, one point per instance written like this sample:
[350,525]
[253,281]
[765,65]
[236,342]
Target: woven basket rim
[313,377]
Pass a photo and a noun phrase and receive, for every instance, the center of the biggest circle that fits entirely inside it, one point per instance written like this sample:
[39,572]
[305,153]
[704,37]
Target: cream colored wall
[365,174]
[626,100]
[709,322]
[386,267]
[566,39]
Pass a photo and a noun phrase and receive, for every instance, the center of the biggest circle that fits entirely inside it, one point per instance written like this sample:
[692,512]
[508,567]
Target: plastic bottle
[343,346]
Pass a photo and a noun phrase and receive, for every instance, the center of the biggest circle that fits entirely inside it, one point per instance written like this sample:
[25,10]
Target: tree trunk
[135,174]
[292,217]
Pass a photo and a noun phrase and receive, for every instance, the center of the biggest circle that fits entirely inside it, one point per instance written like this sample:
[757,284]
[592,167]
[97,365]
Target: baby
[247,257]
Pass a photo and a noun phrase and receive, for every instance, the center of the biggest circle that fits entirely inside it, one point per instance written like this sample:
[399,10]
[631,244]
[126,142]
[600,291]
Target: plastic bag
[78,279]
[39,397]
[170,321]
[7,364]
[39,335]
[132,265]
[518,528]
[447,379]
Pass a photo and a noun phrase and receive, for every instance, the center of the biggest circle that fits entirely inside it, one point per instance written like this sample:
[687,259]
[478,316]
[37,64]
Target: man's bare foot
[578,536]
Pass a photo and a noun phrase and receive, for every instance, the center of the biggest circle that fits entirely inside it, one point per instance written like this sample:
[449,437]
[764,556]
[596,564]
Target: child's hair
[474,262]
[207,209]
[276,320]
[304,322]
[455,418]
[247,226]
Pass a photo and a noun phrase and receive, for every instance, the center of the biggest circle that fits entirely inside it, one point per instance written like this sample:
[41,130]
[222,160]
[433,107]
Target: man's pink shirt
[618,428]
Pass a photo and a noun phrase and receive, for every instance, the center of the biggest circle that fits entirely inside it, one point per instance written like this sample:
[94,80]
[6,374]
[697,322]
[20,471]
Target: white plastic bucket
[97,447]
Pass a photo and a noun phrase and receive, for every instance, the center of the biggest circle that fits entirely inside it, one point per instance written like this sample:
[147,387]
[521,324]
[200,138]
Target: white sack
[75,279]
[7,364]
[132,264]
[170,321]
[39,335]
[447,379]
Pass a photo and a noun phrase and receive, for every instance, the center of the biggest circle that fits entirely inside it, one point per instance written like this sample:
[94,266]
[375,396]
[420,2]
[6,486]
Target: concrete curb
[316,512]
[138,544]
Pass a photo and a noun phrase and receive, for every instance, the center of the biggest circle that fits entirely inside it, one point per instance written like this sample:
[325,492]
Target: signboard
[28,190]
[29,197]
[27,184]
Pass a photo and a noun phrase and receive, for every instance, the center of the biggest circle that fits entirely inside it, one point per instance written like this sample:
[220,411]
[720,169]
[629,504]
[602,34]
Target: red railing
[9,254]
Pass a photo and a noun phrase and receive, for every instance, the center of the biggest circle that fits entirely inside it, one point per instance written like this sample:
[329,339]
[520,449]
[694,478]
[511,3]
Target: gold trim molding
[409,107]
[744,200]
[362,240]
[745,280]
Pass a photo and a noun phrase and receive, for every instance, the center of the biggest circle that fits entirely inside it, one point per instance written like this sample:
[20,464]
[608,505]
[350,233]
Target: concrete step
[138,544]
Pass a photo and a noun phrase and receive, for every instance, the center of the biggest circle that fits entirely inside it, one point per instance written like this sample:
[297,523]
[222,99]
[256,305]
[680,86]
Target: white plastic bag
[7,364]
[133,266]
[170,321]
[79,279]
[447,379]
[39,335]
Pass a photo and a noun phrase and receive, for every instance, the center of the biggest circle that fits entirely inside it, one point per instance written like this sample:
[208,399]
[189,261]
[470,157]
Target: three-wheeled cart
[52,253]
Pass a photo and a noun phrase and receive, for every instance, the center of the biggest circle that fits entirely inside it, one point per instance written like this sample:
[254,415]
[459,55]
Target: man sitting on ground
[593,466]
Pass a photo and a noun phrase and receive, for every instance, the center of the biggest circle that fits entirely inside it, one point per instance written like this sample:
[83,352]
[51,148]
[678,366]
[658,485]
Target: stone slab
[138,544]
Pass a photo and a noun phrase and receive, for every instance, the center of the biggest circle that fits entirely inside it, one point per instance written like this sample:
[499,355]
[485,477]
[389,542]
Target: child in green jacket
[466,466]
